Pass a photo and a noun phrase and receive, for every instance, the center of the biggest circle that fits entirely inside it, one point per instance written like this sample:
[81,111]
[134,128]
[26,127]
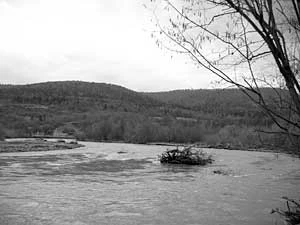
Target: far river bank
[34,145]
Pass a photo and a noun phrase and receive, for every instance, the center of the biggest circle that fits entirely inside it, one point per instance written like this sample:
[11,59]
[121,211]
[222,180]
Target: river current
[120,184]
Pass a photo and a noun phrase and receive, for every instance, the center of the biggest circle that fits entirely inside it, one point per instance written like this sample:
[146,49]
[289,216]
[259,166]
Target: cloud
[101,41]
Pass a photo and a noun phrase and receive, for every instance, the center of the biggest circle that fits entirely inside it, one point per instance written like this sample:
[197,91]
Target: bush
[186,156]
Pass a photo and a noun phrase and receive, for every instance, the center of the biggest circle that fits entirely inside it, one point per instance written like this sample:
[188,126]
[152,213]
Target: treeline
[139,129]
[136,128]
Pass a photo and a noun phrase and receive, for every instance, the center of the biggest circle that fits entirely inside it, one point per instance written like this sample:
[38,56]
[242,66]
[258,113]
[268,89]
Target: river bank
[55,143]
[36,145]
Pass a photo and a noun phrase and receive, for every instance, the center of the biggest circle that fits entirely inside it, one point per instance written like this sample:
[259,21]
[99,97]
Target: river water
[107,183]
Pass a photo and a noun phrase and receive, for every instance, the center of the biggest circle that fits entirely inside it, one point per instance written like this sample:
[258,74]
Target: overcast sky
[90,40]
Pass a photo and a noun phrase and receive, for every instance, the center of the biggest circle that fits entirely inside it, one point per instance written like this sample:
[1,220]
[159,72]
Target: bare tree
[250,44]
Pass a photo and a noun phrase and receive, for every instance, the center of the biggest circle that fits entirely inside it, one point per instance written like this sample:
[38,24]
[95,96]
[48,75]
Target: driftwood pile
[292,214]
[188,156]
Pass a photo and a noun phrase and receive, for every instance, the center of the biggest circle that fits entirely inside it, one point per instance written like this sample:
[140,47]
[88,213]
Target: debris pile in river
[292,214]
[188,155]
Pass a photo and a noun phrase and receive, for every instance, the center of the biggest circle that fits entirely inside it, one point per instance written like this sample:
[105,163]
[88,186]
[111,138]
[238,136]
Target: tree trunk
[289,75]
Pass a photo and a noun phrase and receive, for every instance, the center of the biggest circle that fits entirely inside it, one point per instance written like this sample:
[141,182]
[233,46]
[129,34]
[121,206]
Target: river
[120,184]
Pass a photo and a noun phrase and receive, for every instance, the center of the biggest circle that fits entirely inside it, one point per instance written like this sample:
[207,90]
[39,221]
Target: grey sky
[90,40]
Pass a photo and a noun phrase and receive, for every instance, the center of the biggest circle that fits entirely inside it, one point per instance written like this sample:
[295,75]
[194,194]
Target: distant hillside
[199,97]
[214,101]
[89,110]
[99,111]
[77,95]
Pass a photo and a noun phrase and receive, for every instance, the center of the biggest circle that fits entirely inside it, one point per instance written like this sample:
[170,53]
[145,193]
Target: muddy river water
[105,183]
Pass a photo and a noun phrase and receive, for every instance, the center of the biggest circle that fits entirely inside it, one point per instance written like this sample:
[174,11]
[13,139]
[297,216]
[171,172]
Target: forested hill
[94,111]
[99,111]
[77,95]
[86,96]
[213,101]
